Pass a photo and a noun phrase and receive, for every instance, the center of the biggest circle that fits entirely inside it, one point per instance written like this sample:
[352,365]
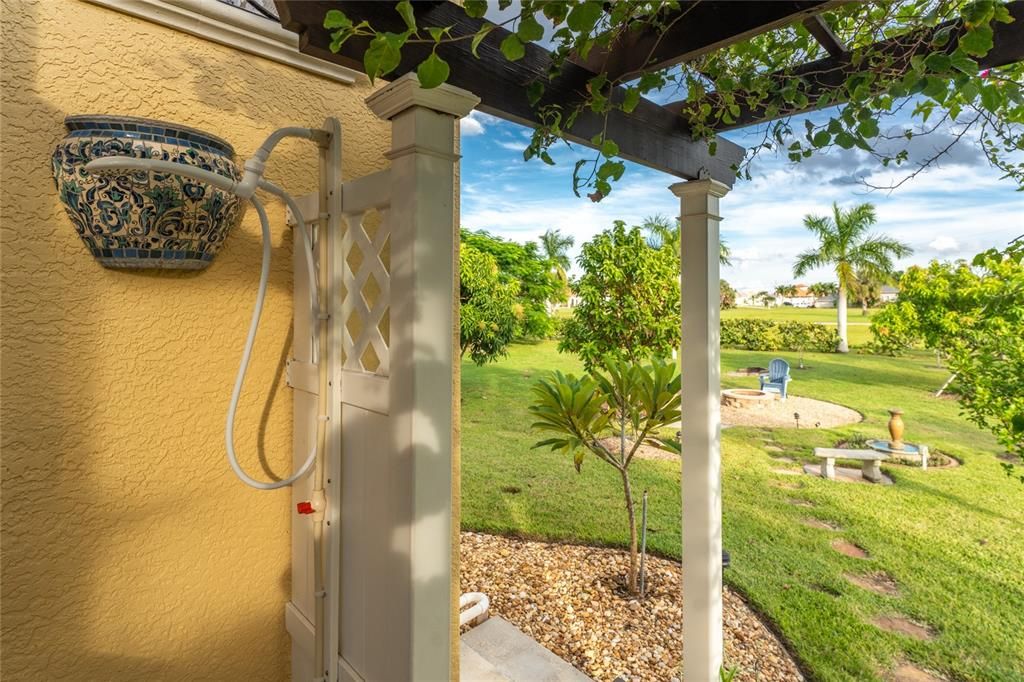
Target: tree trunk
[863,306]
[844,346]
[631,579]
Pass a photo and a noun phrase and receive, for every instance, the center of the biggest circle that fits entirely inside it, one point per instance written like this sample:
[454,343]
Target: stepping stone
[787,485]
[774,448]
[906,672]
[801,503]
[504,652]
[849,549]
[821,525]
[786,472]
[784,460]
[898,625]
[879,583]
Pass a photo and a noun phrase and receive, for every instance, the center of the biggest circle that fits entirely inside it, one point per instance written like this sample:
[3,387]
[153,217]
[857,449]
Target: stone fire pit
[747,398]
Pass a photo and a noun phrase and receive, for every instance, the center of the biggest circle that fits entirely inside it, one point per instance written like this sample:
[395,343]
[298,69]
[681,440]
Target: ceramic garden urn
[141,219]
[896,429]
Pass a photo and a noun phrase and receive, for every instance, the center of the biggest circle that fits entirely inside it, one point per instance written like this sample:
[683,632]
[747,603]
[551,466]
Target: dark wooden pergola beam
[823,33]
[650,135]
[831,72]
[700,27]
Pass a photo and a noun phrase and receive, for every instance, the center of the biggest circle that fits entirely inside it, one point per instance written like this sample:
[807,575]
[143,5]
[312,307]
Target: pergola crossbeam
[826,37]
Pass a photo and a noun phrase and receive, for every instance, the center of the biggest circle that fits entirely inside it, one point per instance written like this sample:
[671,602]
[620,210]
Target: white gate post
[701,430]
[422,350]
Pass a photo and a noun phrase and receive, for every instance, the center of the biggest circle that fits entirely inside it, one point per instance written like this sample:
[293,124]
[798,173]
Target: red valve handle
[305,508]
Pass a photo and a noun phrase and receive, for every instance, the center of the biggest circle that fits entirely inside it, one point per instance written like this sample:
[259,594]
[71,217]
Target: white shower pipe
[245,189]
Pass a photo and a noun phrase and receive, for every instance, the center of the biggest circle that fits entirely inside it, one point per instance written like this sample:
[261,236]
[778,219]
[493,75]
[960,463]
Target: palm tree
[846,244]
[663,232]
[821,290]
[555,246]
[868,287]
[765,297]
[785,290]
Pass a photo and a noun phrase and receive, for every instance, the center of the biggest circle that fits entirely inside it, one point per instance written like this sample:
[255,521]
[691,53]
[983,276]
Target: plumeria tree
[845,244]
[916,57]
[609,414]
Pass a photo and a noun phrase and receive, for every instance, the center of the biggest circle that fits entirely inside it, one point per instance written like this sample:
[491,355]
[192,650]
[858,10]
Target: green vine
[929,66]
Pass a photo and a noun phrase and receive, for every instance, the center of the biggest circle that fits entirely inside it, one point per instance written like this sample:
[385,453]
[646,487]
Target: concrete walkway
[497,651]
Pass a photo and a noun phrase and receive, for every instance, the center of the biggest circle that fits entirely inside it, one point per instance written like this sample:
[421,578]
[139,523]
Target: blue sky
[953,210]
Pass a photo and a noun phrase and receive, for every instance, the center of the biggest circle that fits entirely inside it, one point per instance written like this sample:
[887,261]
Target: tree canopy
[629,299]
[526,265]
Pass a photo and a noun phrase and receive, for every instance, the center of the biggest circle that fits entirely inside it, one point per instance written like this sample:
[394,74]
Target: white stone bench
[870,462]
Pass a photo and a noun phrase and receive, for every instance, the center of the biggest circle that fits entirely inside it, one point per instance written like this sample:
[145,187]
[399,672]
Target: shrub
[557,328]
[768,335]
[489,309]
[894,329]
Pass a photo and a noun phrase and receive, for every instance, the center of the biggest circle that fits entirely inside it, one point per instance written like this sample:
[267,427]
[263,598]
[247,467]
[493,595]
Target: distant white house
[748,298]
[888,294]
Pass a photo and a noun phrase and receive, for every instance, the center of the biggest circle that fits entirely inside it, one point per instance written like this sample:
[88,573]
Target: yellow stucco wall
[130,551]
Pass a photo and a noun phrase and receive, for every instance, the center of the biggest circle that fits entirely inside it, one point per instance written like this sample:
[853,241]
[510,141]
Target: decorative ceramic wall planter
[145,220]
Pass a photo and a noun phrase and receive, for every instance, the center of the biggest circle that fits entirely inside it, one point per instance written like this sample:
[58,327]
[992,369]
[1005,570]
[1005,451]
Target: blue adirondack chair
[776,378]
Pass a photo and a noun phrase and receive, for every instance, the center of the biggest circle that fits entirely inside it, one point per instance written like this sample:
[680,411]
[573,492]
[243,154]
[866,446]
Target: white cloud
[943,243]
[471,125]
[476,123]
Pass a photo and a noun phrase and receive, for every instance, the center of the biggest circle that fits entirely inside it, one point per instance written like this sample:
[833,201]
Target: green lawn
[857,324]
[950,538]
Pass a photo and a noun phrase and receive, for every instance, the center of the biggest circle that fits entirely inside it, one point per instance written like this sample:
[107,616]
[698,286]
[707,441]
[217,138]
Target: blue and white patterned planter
[145,220]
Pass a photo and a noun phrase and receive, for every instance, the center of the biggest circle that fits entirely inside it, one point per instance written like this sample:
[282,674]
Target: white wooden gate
[385,245]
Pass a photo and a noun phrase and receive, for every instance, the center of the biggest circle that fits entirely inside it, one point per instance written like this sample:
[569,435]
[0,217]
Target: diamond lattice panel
[367,292]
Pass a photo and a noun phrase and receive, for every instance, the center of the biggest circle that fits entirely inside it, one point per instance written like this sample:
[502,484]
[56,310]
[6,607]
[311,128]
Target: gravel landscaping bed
[570,599]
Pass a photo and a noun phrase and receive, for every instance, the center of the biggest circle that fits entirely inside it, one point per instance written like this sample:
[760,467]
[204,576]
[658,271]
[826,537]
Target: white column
[422,352]
[701,430]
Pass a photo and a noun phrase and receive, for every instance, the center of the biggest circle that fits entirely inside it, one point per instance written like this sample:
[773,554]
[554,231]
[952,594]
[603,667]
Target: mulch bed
[570,598]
